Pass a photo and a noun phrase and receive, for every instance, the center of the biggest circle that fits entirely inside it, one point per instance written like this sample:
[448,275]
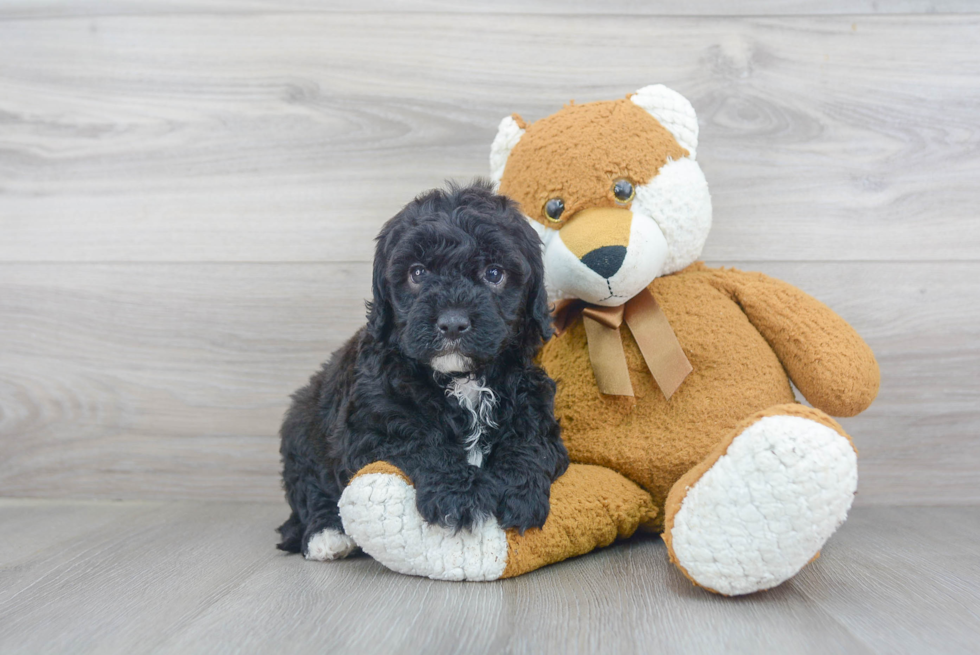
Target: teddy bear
[675,379]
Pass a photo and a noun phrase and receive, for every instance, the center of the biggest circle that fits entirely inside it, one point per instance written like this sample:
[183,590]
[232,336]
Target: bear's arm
[825,357]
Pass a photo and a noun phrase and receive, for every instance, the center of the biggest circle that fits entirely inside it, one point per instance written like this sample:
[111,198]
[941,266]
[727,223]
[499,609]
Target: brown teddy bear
[674,389]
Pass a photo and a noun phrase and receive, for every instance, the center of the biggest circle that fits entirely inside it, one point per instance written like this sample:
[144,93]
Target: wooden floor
[188,577]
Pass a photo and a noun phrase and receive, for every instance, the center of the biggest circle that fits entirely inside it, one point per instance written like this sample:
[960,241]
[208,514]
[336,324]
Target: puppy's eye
[623,190]
[494,275]
[416,273]
[553,209]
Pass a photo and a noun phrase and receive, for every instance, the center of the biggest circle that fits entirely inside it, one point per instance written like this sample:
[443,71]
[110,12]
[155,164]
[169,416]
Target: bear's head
[612,188]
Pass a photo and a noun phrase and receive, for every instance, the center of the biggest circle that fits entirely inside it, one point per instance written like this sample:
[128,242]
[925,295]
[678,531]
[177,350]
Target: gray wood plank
[169,381]
[18,9]
[626,599]
[903,580]
[34,527]
[291,137]
[204,578]
[114,590]
[160,378]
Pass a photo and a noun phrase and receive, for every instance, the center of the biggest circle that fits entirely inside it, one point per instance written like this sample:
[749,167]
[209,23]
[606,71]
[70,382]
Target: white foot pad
[329,544]
[767,506]
[378,510]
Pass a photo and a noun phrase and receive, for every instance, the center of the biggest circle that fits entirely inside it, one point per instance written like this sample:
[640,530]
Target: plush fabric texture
[509,132]
[379,513]
[673,111]
[647,140]
[383,468]
[592,507]
[764,502]
[679,202]
[645,251]
[553,160]
[608,226]
[738,330]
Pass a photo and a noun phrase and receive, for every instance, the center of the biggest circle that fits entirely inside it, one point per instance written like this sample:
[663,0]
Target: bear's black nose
[606,260]
[453,322]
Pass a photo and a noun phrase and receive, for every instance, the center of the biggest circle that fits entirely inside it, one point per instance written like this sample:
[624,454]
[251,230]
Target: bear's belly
[651,440]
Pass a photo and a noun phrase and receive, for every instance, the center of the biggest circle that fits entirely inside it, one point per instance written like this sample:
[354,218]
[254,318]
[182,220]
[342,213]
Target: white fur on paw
[767,506]
[329,544]
[378,510]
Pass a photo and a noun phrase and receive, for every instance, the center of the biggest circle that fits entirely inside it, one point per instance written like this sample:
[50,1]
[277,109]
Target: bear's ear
[673,111]
[509,132]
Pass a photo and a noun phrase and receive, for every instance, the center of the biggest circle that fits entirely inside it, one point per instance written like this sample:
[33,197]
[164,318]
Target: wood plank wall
[189,191]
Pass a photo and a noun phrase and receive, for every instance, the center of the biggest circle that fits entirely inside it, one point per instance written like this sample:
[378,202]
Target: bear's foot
[590,507]
[378,510]
[763,504]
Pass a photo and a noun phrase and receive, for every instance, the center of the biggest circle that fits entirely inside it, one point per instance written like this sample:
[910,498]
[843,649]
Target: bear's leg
[591,506]
[760,507]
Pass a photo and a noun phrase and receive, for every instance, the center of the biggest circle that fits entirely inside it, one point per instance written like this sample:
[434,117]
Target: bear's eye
[494,275]
[416,273]
[623,190]
[553,209]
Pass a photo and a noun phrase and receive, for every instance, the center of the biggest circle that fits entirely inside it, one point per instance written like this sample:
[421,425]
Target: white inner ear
[673,111]
[508,134]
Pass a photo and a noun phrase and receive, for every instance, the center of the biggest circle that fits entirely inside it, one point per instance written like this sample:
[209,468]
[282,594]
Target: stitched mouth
[611,294]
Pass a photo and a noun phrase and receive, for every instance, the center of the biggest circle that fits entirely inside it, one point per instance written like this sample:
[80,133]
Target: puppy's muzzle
[452,323]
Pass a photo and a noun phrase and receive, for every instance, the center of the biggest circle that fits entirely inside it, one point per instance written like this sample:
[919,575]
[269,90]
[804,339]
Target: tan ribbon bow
[658,344]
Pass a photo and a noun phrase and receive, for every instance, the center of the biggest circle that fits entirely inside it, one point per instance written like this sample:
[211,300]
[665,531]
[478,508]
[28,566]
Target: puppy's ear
[537,314]
[537,301]
[380,317]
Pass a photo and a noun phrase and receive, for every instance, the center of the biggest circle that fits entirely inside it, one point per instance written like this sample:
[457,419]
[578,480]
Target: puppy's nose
[606,260]
[453,323]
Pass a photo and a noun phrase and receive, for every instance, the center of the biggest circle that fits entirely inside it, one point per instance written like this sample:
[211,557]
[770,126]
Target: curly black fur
[378,398]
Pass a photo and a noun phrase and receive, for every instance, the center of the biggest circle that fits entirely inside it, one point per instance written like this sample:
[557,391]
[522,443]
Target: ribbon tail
[658,344]
[608,358]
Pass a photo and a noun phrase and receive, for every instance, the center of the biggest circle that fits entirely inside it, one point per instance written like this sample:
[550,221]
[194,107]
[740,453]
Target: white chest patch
[479,400]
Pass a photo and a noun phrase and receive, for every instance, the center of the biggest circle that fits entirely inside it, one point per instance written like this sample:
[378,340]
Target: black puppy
[440,383]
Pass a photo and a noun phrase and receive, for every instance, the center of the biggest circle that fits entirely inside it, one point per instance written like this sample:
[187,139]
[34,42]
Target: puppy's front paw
[329,544]
[456,506]
[522,510]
